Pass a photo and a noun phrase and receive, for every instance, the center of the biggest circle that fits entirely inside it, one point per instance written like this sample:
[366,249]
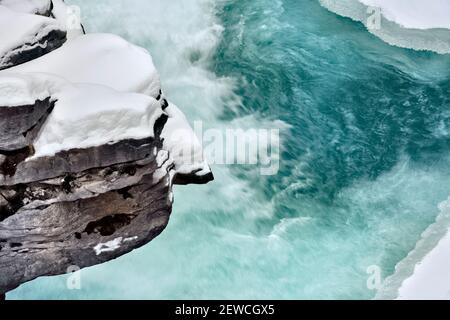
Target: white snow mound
[183,145]
[85,115]
[103,59]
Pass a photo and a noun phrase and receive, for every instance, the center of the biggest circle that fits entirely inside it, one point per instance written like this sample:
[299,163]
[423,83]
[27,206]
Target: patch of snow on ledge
[87,115]
[412,24]
[184,146]
[109,246]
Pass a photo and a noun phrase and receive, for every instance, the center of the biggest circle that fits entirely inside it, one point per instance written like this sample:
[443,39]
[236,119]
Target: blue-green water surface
[365,139]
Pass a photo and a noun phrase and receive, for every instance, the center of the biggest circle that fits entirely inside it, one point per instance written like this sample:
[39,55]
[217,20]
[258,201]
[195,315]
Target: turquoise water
[365,138]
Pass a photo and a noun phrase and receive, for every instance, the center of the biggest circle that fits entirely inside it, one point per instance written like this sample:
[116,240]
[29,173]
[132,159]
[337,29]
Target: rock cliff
[90,147]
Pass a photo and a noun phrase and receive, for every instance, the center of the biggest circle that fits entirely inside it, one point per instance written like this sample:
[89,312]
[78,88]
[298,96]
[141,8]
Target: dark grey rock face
[82,220]
[20,124]
[79,207]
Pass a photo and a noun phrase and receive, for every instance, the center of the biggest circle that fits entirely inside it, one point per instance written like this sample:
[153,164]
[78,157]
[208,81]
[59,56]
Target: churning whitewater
[365,145]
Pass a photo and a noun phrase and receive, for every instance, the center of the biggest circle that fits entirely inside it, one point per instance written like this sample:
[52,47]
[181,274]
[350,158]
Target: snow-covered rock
[89,151]
[413,24]
[106,116]
[185,148]
[84,115]
[95,169]
[93,60]
[68,17]
[26,36]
